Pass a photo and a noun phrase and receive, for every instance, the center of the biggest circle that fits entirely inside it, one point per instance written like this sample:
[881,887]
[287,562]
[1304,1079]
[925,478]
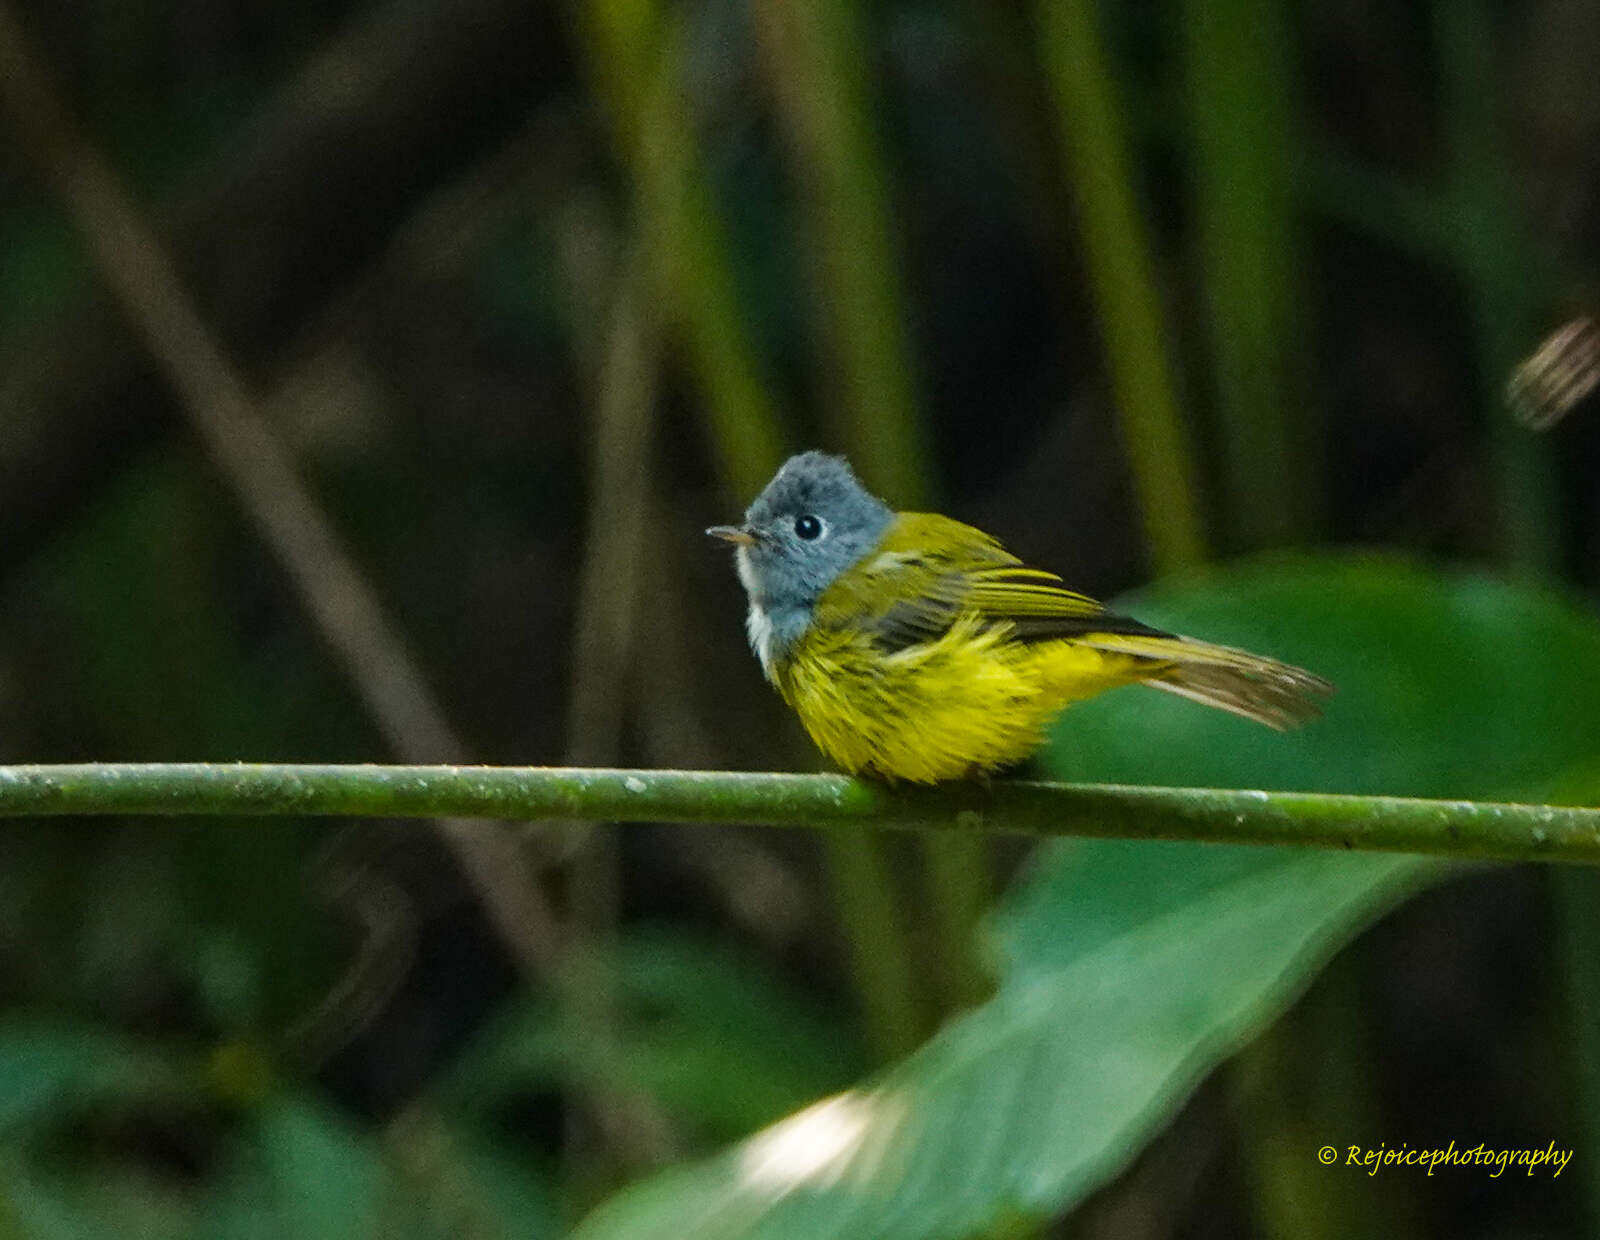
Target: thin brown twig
[619,504]
[134,264]
[625,369]
[608,581]
[286,207]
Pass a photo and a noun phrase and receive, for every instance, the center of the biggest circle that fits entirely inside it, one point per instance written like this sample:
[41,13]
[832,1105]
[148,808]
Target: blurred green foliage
[1132,286]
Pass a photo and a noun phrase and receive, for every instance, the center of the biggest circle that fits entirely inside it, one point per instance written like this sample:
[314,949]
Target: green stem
[1577,896]
[1477,829]
[1118,255]
[886,990]
[1306,1076]
[1496,263]
[1245,181]
[817,58]
[634,54]
[959,880]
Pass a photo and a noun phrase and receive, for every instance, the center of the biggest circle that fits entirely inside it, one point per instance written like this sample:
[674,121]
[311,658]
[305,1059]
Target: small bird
[916,648]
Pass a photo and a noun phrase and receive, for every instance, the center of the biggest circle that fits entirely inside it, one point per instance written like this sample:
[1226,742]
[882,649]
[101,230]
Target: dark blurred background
[394,437]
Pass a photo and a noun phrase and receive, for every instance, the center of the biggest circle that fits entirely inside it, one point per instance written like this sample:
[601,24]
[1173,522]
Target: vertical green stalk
[1246,158]
[869,907]
[1495,260]
[1246,152]
[1577,897]
[1118,255]
[817,58]
[1304,1084]
[633,50]
[879,958]
[1498,268]
[957,872]
[623,401]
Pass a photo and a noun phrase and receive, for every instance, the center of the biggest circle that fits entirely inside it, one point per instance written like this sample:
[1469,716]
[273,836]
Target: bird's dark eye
[808,527]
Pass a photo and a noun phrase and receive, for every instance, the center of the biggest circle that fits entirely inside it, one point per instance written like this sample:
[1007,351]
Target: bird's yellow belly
[970,701]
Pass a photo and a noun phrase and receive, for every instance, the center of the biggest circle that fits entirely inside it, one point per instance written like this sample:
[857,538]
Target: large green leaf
[1448,684]
[1039,1096]
[1127,971]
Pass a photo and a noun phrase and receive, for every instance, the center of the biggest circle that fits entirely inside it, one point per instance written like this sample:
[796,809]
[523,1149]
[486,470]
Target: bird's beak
[741,534]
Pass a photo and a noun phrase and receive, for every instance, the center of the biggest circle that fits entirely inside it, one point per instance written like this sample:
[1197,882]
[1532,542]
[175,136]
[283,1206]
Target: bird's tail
[1249,685]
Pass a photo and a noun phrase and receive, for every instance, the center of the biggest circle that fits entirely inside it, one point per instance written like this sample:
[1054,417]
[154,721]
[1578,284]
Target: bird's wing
[929,570]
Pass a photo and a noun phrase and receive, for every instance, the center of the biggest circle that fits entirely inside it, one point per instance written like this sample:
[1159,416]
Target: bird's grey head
[813,521]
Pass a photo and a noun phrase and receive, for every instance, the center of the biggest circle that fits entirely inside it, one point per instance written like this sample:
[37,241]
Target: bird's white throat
[759,626]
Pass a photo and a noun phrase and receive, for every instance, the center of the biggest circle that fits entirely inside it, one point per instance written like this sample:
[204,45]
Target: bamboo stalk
[633,46]
[1577,901]
[1118,254]
[818,58]
[633,53]
[1245,189]
[1496,264]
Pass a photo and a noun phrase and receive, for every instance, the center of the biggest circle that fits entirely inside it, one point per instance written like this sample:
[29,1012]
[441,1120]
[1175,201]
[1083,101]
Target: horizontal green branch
[1385,824]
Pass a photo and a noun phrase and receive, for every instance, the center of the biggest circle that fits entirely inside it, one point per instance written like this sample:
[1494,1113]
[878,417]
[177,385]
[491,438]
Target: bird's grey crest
[816,483]
[811,522]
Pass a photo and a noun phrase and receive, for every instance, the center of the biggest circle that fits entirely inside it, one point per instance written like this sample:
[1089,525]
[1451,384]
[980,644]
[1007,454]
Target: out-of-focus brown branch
[609,582]
[620,502]
[142,279]
[620,349]
[298,200]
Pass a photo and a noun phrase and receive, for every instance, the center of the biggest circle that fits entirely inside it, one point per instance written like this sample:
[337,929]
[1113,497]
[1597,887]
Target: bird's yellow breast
[970,700]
